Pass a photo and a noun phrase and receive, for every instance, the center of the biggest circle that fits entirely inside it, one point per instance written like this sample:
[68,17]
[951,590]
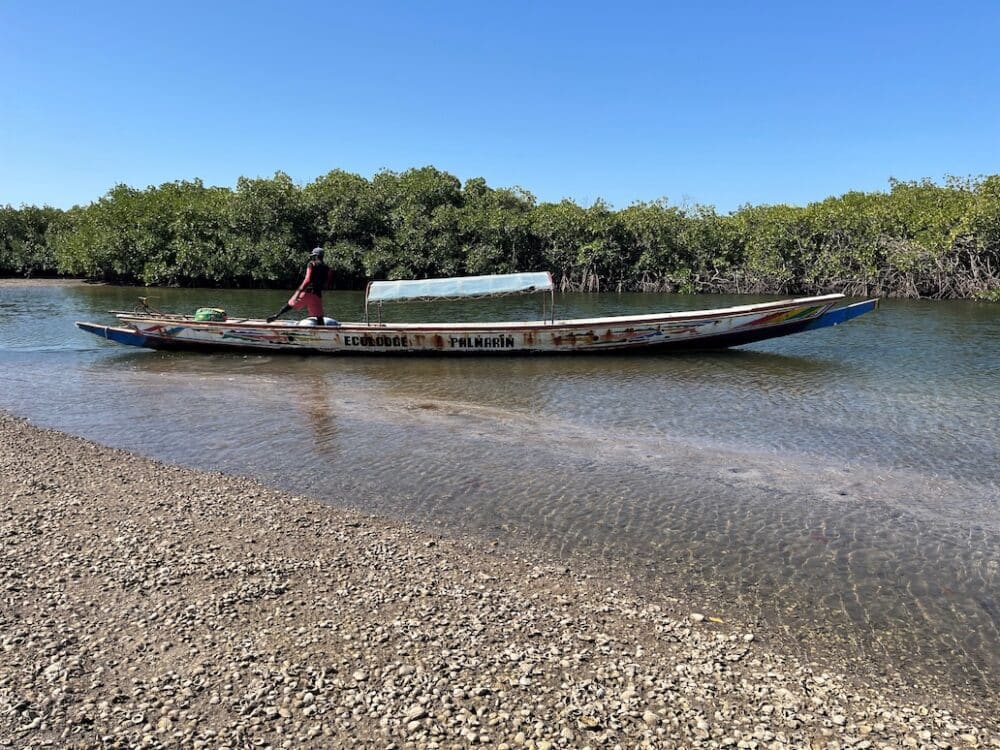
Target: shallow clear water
[842,485]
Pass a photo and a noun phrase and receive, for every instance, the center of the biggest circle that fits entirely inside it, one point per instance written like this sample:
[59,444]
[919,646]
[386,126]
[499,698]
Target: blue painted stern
[125,336]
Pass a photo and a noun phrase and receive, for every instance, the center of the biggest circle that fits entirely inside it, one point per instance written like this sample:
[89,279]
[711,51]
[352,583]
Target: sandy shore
[145,605]
[41,281]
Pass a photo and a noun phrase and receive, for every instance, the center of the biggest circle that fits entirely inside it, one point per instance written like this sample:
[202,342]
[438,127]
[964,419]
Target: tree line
[918,239]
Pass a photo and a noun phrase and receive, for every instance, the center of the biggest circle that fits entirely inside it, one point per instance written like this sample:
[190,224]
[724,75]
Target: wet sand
[147,605]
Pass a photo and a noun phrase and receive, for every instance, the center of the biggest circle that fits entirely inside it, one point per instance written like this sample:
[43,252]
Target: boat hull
[714,329]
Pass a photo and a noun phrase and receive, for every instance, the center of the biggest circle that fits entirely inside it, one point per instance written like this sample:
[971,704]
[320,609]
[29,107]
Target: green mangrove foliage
[918,239]
[26,239]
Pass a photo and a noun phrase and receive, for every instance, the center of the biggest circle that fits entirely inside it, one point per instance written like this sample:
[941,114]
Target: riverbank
[39,281]
[146,605]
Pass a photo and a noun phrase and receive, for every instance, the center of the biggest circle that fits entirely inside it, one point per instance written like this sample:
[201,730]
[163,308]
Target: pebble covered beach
[148,605]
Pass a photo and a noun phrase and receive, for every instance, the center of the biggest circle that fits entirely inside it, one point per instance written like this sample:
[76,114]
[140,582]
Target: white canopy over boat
[460,287]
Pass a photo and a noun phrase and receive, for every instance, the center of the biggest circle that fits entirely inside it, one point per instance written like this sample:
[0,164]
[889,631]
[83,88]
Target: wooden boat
[669,331]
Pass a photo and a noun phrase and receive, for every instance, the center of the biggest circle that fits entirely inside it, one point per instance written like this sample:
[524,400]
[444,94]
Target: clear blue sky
[721,103]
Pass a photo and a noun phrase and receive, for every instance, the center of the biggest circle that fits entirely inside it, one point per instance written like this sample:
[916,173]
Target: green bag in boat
[210,313]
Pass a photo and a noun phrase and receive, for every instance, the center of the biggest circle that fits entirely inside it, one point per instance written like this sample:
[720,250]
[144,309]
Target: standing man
[310,292]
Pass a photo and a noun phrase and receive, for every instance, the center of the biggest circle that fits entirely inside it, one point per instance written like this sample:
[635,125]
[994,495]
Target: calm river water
[841,485]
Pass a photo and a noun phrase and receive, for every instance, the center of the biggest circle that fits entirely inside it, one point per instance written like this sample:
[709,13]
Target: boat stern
[839,315]
[127,336]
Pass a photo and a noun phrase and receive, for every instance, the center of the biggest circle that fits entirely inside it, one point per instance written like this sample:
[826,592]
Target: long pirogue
[668,331]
